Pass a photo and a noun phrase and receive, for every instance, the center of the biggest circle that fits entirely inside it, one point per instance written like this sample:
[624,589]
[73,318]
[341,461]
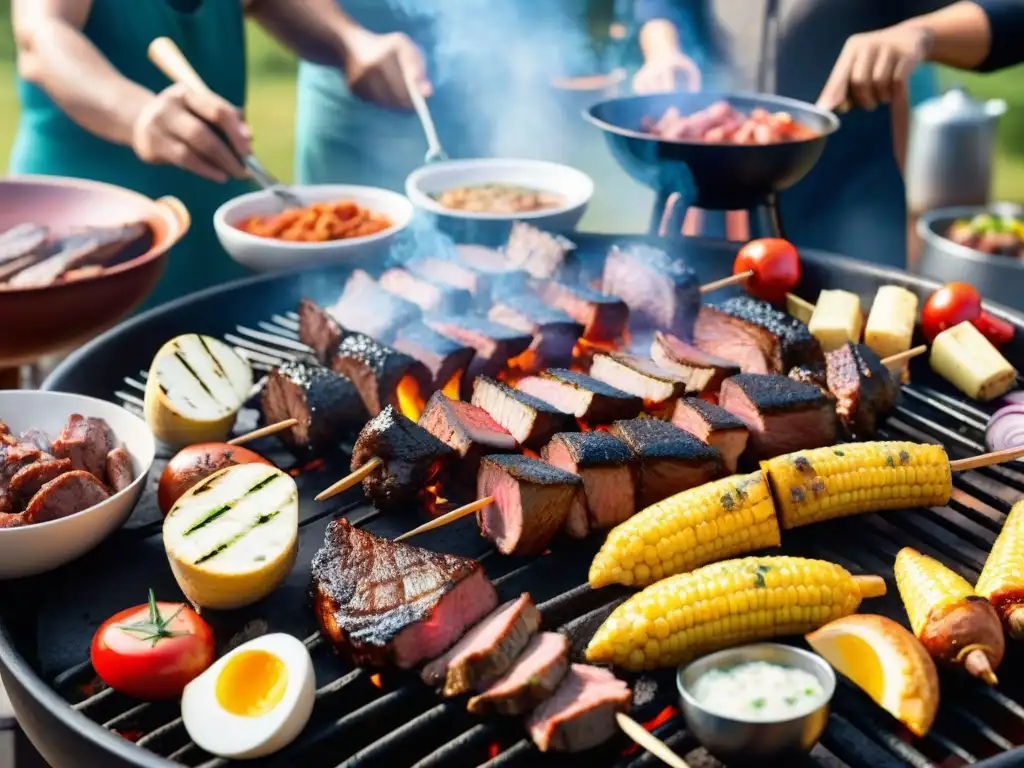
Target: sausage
[28,480]
[120,472]
[86,441]
[65,495]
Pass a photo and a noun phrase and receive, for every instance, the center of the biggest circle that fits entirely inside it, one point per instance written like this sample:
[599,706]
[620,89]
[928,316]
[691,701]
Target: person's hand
[667,72]
[174,129]
[374,67]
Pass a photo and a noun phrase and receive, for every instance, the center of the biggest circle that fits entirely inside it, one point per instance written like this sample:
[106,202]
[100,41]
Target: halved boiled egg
[253,701]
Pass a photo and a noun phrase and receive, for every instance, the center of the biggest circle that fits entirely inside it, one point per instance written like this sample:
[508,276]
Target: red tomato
[951,305]
[999,332]
[775,264]
[192,464]
[152,651]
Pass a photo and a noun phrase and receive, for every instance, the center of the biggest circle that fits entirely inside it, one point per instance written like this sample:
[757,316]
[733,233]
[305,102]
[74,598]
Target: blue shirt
[1006,20]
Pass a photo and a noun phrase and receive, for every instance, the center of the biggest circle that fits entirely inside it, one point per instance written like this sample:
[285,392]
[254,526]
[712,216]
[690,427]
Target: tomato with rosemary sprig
[152,651]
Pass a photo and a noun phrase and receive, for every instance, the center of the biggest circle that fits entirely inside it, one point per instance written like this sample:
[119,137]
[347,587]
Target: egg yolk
[251,683]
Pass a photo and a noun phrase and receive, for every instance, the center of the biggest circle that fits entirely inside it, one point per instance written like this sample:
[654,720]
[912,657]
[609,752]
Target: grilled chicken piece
[603,317]
[86,441]
[864,389]
[670,459]
[381,602]
[660,291]
[588,399]
[581,714]
[453,273]
[783,415]
[704,373]
[120,472]
[468,430]
[367,308]
[715,426]
[27,481]
[534,677]
[532,501]
[539,253]
[65,495]
[530,421]
[318,330]
[495,344]
[487,651]
[554,332]
[411,456]
[429,295]
[641,377]
[94,247]
[446,359]
[607,469]
[378,371]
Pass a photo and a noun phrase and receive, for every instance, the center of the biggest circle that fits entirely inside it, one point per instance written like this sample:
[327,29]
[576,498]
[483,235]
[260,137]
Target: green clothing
[48,142]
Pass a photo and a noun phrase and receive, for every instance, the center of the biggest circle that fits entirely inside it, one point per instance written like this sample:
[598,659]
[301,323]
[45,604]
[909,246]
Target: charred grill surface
[326,404]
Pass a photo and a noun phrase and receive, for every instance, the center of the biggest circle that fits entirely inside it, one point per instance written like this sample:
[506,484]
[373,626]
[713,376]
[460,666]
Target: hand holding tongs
[172,62]
[435,151]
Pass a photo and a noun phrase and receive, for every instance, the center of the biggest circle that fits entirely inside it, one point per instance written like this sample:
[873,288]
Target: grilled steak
[453,273]
[65,495]
[530,421]
[487,651]
[96,246]
[581,714]
[381,602]
[494,344]
[120,472]
[783,415]
[326,404]
[429,295]
[554,332]
[411,458]
[864,389]
[641,377]
[377,372]
[318,330]
[811,374]
[534,677]
[607,469]
[86,441]
[532,501]
[704,373]
[588,399]
[27,481]
[468,430]
[446,359]
[660,291]
[539,253]
[367,308]
[603,317]
[715,426]
[671,460]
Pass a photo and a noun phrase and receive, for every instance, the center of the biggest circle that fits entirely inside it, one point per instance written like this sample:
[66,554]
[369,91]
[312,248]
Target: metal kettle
[950,152]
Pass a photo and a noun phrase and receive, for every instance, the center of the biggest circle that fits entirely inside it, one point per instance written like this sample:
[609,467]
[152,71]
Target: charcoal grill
[390,719]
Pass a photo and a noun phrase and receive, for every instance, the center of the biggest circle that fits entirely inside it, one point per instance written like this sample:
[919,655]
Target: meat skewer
[448,517]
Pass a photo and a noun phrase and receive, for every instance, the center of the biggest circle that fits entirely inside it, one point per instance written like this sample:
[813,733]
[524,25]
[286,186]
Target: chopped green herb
[837,452]
[758,703]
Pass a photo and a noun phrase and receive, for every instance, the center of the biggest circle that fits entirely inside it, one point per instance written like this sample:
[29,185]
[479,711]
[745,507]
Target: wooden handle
[739,277]
[649,741]
[270,429]
[987,459]
[449,517]
[169,59]
[347,482]
[897,360]
[870,586]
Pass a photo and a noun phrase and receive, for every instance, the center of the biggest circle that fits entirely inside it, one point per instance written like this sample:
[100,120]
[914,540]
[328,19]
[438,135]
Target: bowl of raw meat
[718,150]
[76,257]
[72,469]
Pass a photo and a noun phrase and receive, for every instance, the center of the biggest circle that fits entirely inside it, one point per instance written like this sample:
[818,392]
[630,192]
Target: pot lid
[957,106]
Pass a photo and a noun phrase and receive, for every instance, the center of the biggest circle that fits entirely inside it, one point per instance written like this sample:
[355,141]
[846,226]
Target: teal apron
[48,142]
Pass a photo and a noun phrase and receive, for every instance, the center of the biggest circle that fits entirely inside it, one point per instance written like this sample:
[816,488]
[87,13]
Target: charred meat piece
[783,415]
[671,460]
[495,344]
[429,295]
[534,677]
[719,334]
[411,456]
[603,317]
[660,291]
[640,377]
[86,441]
[382,602]
[378,371]
[539,253]
[120,472]
[95,246]
[14,456]
[27,481]
[554,332]
[715,426]
[468,430]
[65,495]
[453,273]
[487,651]
[530,421]
[326,405]
[814,375]
[581,714]
[588,399]
[318,330]
[606,466]
[532,501]
[783,340]
[367,308]
[864,389]
[446,359]
[703,372]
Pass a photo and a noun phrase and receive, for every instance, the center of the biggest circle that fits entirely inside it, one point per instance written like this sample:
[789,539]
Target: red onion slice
[1006,427]
[1017,396]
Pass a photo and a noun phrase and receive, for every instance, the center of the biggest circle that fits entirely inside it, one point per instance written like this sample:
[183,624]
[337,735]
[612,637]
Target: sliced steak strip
[453,273]
[86,441]
[27,481]
[446,359]
[660,291]
[429,295]
[95,246]
[487,651]
[554,332]
[534,677]
[784,340]
[495,344]
[382,602]
[120,472]
[367,308]
[590,400]
[864,389]
[530,421]
[469,431]
[723,336]
[539,253]
[65,495]
[378,371]
[704,373]
[603,317]
[318,330]
[581,714]
[641,377]
[608,471]
[715,426]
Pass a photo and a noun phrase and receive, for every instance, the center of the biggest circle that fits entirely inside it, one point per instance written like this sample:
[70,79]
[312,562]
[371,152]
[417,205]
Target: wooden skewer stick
[449,517]
[352,479]
[739,277]
[270,429]
[987,459]
[897,360]
[649,741]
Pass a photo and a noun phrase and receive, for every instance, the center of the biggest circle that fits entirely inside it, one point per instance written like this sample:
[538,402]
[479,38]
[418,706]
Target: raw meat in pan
[534,677]
[581,714]
[92,247]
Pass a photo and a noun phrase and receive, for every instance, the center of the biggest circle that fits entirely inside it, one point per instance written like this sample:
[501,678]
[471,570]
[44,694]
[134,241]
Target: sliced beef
[715,426]
[671,460]
[642,377]
[607,469]
[23,241]
[411,456]
[530,421]
[494,266]
[11,519]
[96,246]
[15,455]
[65,495]
[534,677]
[446,359]
[783,415]
[382,375]
[326,405]
[603,317]
[535,251]
[453,273]
[581,714]
[487,651]
[380,602]
[468,430]
[532,501]
[27,481]
[703,372]
[864,389]
[431,296]
[660,291]
[120,472]
[554,332]
[495,344]
[318,330]
[367,308]
[86,441]
[588,399]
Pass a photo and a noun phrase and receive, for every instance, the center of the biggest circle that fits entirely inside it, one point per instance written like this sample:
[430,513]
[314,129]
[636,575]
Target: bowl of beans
[338,223]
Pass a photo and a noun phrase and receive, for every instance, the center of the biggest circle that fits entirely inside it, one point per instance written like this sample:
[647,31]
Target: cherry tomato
[192,464]
[152,651]
[999,332]
[775,264]
[952,304]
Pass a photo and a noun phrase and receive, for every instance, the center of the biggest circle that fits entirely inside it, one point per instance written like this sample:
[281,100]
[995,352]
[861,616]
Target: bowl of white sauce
[757,703]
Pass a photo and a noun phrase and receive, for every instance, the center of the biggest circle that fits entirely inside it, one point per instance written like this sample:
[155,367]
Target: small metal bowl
[746,742]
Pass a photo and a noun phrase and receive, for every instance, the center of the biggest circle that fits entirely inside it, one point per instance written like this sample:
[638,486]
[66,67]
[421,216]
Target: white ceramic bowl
[492,228]
[35,549]
[264,254]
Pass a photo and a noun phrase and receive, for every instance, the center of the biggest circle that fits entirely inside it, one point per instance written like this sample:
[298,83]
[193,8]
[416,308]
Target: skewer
[987,459]
[352,479]
[270,429]
[449,517]
[649,741]
[714,285]
[899,358]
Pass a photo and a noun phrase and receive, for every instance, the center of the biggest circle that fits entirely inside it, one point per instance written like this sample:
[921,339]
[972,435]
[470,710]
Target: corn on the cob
[724,604]
[1002,579]
[707,523]
[823,483]
[890,326]
[949,618]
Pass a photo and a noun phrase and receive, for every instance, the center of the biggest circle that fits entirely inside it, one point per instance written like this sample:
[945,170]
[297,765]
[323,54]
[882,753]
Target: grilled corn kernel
[890,326]
[724,604]
[926,585]
[698,526]
[823,483]
[1002,579]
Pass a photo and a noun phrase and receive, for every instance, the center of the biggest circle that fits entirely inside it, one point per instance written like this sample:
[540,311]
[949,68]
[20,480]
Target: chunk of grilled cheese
[890,326]
[968,361]
[836,319]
